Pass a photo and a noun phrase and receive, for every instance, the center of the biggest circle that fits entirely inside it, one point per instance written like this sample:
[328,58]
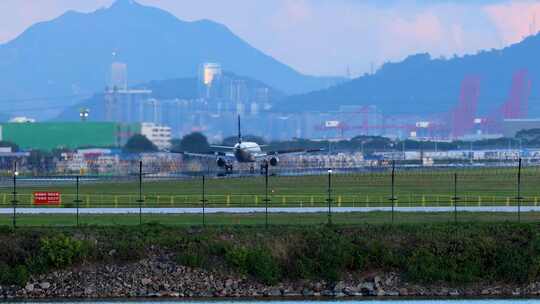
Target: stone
[274,292]
[146,281]
[228,283]
[377,281]
[339,294]
[339,286]
[367,288]
[29,287]
[327,293]
[45,285]
[308,292]
[454,293]
[380,293]
[390,279]
[350,291]
[403,292]
[88,291]
[392,293]
[291,293]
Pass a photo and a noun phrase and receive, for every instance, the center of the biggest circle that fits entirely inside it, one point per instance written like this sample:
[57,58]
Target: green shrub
[127,249]
[257,262]
[17,275]
[324,254]
[423,266]
[4,274]
[61,251]
[237,258]
[263,266]
[193,255]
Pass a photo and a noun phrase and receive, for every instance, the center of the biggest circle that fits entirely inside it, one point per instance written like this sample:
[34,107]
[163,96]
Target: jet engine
[274,161]
[221,162]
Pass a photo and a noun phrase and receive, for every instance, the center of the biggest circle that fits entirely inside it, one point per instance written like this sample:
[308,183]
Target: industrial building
[53,135]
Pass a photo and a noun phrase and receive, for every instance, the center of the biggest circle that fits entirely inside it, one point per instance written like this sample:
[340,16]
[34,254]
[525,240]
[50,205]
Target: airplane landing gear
[264,167]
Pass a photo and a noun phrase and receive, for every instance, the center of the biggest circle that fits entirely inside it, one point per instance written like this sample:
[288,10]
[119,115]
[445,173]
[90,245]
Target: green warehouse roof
[48,136]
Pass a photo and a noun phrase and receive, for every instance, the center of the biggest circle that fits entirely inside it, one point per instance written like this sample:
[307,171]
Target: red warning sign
[47,198]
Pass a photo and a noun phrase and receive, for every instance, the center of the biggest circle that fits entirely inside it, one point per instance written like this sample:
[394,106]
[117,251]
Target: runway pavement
[247,210]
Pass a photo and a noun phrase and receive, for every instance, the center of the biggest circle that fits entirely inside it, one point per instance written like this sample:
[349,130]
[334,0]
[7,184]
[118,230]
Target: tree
[138,144]
[530,135]
[194,142]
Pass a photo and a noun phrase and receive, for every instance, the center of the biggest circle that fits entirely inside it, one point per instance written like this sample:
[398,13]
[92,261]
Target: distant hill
[71,54]
[420,84]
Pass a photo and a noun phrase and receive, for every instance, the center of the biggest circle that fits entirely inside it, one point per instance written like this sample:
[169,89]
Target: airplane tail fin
[239,131]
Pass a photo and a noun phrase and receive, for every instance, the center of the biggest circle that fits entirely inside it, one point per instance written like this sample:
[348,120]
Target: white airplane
[247,152]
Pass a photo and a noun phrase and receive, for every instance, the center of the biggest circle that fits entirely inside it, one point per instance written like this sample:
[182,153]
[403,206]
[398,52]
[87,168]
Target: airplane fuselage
[246,152]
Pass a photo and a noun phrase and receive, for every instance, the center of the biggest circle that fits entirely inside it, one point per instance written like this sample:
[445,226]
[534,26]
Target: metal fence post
[393,198]
[77,200]
[519,198]
[14,200]
[455,198]
[266,200]
[203,200]
[329,199]
[140,200]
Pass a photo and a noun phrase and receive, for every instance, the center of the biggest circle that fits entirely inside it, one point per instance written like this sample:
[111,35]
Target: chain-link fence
[382,195]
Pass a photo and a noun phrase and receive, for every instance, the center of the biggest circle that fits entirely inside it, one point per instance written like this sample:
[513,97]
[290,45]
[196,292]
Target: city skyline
[316,37]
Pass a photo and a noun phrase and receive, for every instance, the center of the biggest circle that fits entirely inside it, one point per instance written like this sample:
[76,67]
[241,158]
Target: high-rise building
[211,72]
[119,80]
[210,76]
[126,105]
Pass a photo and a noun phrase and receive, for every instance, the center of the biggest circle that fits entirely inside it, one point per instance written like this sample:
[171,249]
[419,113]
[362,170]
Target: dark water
[456,301]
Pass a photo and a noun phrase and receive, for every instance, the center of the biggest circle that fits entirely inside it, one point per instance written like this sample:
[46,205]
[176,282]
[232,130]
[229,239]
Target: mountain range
[421,84]
[60,59]
[52,65]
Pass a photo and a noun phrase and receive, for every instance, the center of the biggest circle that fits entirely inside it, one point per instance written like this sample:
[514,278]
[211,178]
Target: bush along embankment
[151,260]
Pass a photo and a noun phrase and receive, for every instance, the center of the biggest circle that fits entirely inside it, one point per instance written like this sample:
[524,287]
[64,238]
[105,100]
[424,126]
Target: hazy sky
[325,36]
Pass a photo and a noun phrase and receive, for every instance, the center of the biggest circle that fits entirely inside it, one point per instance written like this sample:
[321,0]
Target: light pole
[329,199]
[84,113]
[14,201]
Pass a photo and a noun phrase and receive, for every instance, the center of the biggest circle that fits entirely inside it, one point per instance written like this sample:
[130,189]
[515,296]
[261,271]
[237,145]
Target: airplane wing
[288,152]
[222,147]
[213,155]
[294,151]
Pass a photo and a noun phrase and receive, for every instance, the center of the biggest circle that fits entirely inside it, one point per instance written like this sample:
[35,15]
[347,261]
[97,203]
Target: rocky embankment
[159,276]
